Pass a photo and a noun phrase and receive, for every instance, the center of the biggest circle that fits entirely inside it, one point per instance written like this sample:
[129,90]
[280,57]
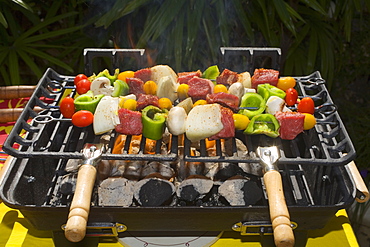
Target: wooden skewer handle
[80,207]
[12,114]
[14,92]
[359,182]
[279,214]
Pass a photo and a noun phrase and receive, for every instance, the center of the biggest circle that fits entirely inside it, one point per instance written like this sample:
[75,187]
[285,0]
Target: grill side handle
[279,214]
[75,229]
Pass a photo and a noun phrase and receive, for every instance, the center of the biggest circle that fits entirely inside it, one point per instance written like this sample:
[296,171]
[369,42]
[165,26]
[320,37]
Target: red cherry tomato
[79,77]
[67,107]
[82,118]
[83,86]
[291,96]
[306,105]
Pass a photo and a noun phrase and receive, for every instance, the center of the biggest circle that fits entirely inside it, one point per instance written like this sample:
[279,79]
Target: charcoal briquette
[240,192]
[153,191]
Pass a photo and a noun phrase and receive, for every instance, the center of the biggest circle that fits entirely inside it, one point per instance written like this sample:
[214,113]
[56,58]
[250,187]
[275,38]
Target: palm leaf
[49,35]
[30,63]
[281,9]
[22,4]
[3,20]
[242,16]
[45,23]
[13,68]
[50,58]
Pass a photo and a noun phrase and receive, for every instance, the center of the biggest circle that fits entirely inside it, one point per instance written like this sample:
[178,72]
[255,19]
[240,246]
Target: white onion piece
[106,115]
[274,104]
[203,121]
[176,120]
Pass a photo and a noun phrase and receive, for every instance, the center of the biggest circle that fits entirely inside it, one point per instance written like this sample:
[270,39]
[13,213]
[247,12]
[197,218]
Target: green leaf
[49,58]
[30,63]
[14,68]
[22,4]
[281,8]
[3,20]
[316,6]
[242,15]
[52,34]
[178,32]
[45,23]
[223,23]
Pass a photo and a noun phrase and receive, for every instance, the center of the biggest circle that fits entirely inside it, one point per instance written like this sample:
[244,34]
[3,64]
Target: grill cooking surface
[322,145]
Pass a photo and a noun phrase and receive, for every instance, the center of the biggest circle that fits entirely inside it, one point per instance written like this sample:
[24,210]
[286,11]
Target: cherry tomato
[79,77]
[67,107]
[82,118]
[306,105]
[291,96]
[83,86]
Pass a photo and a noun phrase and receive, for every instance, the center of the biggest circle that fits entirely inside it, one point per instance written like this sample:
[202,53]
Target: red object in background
[5,128]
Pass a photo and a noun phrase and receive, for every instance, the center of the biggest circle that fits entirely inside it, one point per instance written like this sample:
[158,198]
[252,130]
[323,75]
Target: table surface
[16,231]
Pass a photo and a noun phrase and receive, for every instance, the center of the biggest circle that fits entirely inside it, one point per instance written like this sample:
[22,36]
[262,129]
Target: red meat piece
[227,120]
[143,100]
[184,77]
[225,99]
[130,122]
[143,74]
[199,88]
[136,86]
[291,124]
[262,76]
[227,77]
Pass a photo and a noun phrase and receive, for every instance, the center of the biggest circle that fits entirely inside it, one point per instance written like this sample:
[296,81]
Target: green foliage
[34,39]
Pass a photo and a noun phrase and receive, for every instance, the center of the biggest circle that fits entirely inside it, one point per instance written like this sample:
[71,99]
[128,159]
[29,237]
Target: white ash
[116,192]
[232,191]
[200,185]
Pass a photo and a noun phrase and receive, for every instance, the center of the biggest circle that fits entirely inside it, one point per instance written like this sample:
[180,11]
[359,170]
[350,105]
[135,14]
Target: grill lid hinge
[256,227]
[103,229]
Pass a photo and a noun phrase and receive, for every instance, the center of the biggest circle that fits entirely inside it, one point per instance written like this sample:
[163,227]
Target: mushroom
[101,85]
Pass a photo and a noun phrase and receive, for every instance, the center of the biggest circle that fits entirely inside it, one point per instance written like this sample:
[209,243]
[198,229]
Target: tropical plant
[189,33]
[34,39]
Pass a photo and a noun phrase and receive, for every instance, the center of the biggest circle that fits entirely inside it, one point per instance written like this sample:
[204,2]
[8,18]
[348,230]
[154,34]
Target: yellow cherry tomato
[130,104]
[240,121]
[200,102]
[182,91]
[220,88]
[150,87]
[165,103]
[309,121]
[286,82]
[125,74]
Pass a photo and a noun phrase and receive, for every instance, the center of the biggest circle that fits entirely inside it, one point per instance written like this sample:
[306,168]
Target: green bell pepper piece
[263,124]
[154,120]
[88,101]
[266,90]
[106,73]
[254,103]
[211,73]
[120,88]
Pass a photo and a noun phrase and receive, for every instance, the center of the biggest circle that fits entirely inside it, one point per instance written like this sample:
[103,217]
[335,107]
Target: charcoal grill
[316,179]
